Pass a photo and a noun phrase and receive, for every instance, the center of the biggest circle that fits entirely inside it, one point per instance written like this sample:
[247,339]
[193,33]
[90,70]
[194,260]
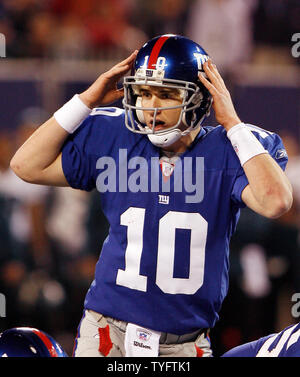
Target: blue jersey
[164,264]
[284,344]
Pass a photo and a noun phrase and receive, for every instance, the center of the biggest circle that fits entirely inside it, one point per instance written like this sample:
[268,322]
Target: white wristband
[72,114]
[244,143]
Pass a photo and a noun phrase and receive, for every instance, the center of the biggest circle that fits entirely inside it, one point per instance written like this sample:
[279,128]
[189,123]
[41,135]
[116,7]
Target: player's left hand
[222,103]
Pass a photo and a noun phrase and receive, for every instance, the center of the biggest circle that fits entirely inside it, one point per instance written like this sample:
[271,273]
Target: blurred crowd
[232,30]
[50,238]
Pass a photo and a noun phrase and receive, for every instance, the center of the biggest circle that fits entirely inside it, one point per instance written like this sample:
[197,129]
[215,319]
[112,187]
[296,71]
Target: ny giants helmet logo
[201,59]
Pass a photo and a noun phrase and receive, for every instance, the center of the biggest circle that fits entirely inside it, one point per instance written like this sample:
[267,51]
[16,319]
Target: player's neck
[183,143]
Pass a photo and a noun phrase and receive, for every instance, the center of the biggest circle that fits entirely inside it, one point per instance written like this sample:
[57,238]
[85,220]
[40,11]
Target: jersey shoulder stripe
[107,111]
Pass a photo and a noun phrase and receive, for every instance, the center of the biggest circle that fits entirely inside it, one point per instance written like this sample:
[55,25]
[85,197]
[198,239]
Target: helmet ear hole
[140,113]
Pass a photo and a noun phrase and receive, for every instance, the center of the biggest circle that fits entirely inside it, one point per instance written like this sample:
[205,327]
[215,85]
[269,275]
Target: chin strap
[165,140]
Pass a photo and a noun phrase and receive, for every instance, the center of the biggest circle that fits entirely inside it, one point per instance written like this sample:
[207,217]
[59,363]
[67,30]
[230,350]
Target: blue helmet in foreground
[29,342]
[171,61]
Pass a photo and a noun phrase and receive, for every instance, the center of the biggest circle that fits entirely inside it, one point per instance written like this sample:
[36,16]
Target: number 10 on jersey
[134,218]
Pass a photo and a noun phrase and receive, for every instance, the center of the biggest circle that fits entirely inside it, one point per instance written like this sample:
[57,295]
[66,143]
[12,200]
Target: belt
[165,338]
[168,338]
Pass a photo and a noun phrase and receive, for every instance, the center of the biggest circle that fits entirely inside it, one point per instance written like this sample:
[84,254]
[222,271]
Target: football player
[286,343]
[171,191]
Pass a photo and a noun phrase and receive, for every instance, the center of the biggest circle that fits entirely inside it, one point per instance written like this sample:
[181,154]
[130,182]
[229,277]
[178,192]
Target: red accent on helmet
[47,342]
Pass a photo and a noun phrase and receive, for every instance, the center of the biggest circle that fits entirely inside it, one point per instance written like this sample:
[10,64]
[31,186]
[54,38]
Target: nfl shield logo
[143,334]
[167,168]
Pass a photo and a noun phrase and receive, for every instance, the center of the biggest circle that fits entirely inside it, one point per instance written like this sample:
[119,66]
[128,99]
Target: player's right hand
[104,90]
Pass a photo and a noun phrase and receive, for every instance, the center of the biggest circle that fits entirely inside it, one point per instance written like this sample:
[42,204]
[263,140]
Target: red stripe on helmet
[155,51]
[47,343]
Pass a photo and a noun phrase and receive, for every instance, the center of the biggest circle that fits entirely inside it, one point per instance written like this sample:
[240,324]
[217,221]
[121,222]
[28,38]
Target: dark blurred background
[50,238]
